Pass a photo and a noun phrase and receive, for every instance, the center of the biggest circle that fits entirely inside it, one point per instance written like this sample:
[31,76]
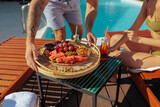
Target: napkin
[20,99]
[138,70]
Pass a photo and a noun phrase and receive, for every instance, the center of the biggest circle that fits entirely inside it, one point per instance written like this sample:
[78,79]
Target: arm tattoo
[33,20]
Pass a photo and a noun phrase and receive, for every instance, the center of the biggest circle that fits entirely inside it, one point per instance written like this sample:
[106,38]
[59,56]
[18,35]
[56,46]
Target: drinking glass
[104,49]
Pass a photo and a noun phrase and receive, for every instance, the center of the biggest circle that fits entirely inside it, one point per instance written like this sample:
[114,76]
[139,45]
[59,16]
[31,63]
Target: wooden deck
[129,96]
[13,68]
[14,72]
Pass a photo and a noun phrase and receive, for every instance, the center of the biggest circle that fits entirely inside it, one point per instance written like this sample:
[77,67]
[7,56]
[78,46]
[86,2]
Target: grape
[56,47]
[52,48]
[76,47]
[65,44]
[60,45]
[70,48]
[49,46]
[69,44]
[65,49]
[60,50]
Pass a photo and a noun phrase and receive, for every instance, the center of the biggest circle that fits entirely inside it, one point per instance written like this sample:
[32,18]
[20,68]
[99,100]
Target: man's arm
[34,17]
[91,13]
[33,20]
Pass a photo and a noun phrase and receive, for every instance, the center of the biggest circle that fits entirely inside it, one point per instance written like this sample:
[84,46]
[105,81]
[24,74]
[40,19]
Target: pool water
[119,15]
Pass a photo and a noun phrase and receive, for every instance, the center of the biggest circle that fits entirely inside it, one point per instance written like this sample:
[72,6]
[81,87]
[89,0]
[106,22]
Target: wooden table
[13,68]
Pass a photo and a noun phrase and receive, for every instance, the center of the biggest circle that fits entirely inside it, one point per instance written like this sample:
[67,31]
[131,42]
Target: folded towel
[20,99]
[138,70]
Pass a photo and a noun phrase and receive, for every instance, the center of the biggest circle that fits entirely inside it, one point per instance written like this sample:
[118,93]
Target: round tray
[67,71]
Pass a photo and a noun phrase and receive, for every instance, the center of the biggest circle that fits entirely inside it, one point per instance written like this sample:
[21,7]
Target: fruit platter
[67,59]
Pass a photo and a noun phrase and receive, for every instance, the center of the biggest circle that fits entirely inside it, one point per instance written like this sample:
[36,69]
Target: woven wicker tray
[67,71]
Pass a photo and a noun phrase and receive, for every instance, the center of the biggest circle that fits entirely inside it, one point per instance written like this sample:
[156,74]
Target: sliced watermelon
[58,55]
[53,52]
[80,58]
[59,60]
[63,58]
[69,59]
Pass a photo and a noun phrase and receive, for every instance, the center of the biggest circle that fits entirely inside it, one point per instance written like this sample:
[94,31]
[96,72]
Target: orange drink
[104,49]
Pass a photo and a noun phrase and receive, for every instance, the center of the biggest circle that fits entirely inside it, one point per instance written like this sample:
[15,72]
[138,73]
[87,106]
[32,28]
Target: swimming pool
[119,15]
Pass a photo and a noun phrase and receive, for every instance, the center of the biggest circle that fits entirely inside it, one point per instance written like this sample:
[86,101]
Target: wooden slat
[12,67]
[2,89]
[13,52]
[13,63]
[12,47]
[7,77]
[5,83]
[145,90]
[16,84]
[150,75]
[18,50]
[9,72]
[12,59]
[12,56]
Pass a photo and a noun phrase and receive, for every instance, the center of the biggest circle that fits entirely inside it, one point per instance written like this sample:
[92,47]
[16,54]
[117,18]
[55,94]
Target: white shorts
[57,10]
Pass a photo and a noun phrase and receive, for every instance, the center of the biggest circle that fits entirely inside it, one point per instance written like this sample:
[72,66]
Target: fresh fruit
[69,53]
[56,47]
[76,47]
[70,48]
[52,48]
[83,46]
[59,60]
[69,44]
[80,58]
[70,59]
[53,53]
[60,45]
[65,49]
[58,55]
[46,52]
[83,51]
[65,44]
[60,50]
[49,46]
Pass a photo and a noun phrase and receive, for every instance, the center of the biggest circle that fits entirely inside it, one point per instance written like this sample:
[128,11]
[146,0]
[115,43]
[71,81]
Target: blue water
[119,15]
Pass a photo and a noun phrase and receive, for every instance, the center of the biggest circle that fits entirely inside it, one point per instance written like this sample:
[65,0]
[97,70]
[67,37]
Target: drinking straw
[76,29]
[107,36]
[106,33]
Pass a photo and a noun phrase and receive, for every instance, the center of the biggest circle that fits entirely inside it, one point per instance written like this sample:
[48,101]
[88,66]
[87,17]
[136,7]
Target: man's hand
[91,38]
[31,55]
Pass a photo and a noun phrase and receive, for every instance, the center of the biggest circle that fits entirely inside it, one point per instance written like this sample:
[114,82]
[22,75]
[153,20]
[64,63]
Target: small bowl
[83,52]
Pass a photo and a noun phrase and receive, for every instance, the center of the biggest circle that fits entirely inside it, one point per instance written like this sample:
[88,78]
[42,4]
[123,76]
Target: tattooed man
[54,11]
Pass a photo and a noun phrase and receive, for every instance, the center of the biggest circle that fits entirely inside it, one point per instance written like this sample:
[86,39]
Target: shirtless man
[34,15]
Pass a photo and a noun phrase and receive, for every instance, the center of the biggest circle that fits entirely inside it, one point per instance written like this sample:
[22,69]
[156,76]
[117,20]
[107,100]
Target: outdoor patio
[129,96]
[10,24]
